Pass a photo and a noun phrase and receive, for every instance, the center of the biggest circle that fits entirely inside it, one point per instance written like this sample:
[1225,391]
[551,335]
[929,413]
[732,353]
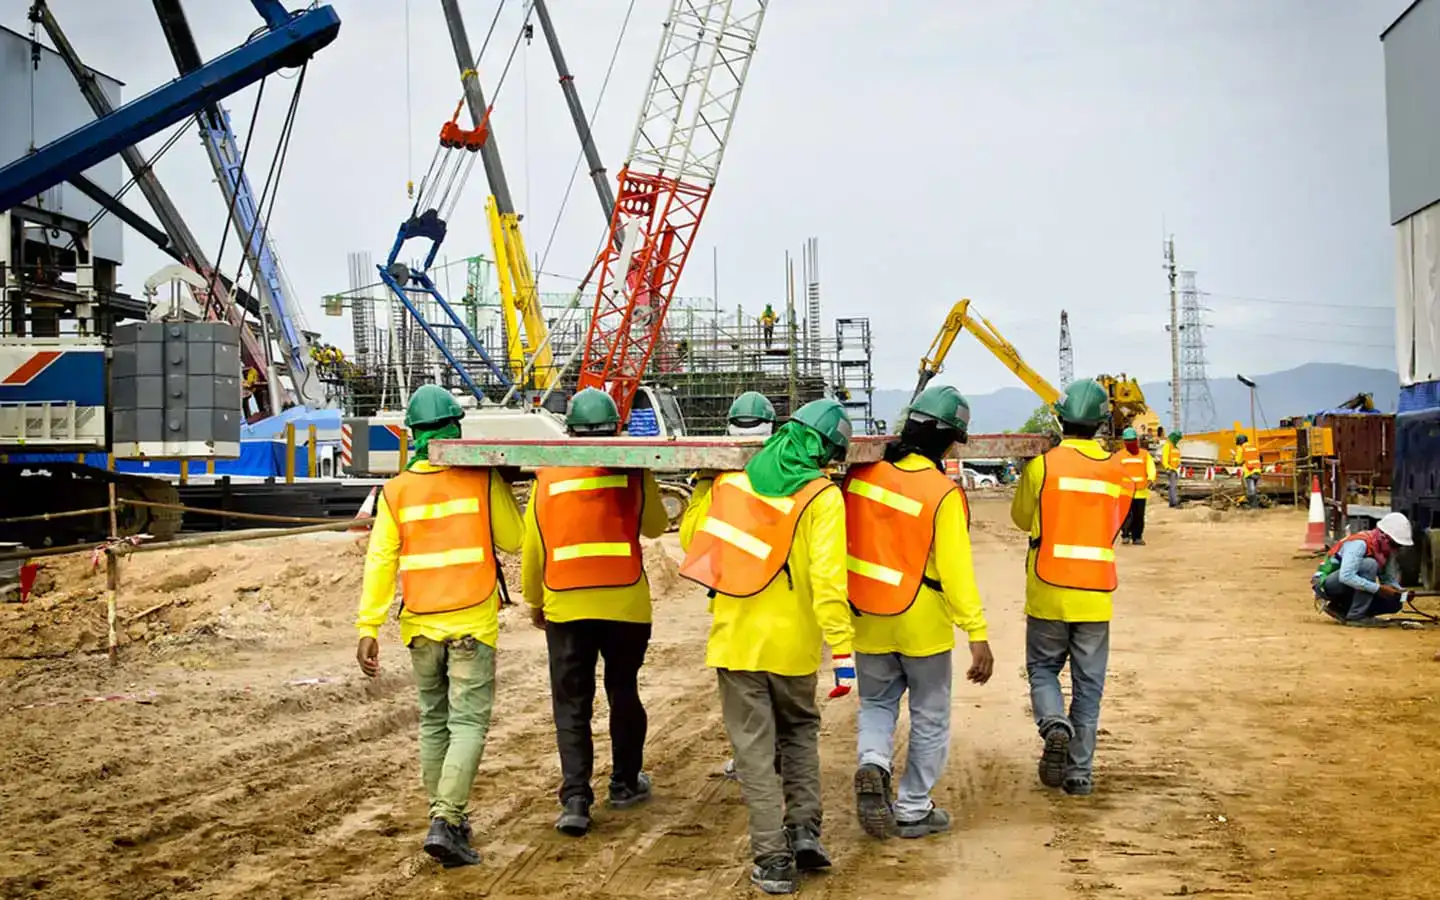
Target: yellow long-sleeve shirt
[1045,601]
[382,561]
[630,603]
[1170,457]
[780,629]
[928,626]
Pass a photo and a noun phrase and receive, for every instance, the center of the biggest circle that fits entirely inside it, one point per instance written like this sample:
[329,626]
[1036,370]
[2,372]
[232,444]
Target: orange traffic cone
[1315,525]
[365,513]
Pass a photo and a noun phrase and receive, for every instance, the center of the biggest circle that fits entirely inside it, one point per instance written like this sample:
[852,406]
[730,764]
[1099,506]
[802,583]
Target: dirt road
[1249,748]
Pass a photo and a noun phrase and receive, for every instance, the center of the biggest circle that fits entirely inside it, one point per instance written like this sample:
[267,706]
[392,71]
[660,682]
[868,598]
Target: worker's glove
[1404,597]
[844,668]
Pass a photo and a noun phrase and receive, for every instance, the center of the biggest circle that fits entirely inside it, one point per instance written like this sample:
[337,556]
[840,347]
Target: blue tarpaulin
[258,459]
[274,427]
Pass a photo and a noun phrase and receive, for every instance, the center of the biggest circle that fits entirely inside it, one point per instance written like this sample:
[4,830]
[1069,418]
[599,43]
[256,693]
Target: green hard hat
[830,419]
[432,406]
[1084,403]
[1241,438]
[1175,437]
[593,410]
[944,404]
[1129,435]
[752,406]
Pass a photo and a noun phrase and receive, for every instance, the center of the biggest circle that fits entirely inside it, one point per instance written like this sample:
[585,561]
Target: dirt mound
[661,570]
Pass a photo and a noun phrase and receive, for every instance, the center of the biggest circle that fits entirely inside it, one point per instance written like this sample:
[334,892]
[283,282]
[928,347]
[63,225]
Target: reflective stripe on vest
[743,541]
[447,559]
[589,522]
[1136,470]
[1083,502]
[889,531]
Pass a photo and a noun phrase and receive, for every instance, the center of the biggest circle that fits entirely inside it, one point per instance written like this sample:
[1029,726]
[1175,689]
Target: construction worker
[769,544]
[1170,463]
[1360,576]
[767,324]
[1140,467]
[583,576]
[437,529]
[1247,457]
[751,415]
[911,583]
[1072,502]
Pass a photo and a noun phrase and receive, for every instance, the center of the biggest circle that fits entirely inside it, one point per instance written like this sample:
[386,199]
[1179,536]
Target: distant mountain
[1300,391]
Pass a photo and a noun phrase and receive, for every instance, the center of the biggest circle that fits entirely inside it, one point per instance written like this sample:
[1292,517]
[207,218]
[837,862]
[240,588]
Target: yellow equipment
[1127,401]
[960,318]
[519,302]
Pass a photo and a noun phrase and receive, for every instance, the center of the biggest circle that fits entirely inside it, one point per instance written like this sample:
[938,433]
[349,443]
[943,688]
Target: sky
[1030,155]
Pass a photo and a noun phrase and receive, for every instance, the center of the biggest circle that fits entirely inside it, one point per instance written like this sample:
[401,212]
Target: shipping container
[1365,445]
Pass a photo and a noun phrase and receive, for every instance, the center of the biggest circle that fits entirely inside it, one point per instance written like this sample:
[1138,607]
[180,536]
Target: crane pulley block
[453,137]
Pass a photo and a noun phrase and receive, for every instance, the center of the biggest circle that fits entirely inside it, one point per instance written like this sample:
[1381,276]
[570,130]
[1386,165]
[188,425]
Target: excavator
[1127,401]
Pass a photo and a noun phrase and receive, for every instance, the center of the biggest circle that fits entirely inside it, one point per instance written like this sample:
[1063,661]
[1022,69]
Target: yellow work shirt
[1046,601]
[928,626]
[382,566]
[1170,457]
[780,629]
[628,603]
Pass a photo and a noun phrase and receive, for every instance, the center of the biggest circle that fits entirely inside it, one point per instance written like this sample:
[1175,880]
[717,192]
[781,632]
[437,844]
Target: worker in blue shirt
[1360,577]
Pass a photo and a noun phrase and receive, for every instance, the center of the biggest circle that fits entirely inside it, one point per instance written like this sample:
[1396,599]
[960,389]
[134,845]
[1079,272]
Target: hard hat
[1084,403]
[751,408]
[432,406]
[593,410]
[1129,435]
[1240,438]
[1397,527]
[1175,437]
[831,421]
[943,404]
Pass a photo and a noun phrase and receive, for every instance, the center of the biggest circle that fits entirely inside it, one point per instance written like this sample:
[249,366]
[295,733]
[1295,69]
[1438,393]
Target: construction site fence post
[112,579]
[310,452]
[290,453]
[404,448]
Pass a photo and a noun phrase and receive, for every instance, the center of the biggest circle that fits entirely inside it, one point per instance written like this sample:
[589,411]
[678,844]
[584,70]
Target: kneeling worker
[1072,501]
[1360,577]
[583,577]
[769,543]
[437,529]
[911,582]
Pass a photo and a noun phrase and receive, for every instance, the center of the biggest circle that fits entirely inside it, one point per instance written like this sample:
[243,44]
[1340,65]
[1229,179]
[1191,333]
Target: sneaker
[731,772]
[449,844]
[1079,786]
[936,821]
[623,796]
[805,844]
[1055,756]
[575,818]
[1139,542]
[776,875]
[872,801]
[1125,540]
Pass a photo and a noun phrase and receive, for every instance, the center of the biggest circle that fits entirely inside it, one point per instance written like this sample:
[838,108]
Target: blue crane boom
[289,41]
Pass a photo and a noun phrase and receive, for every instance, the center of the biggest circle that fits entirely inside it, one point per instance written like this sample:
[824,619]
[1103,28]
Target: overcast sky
[1028,154]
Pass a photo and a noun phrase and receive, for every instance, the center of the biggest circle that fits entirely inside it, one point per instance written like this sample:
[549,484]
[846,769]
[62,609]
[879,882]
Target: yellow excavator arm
[960,319]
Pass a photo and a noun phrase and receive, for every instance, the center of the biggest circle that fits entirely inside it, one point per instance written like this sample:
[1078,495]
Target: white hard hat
[1397,527]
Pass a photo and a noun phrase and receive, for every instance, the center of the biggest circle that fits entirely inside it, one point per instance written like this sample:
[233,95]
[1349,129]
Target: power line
[1296,338]
[1280,300]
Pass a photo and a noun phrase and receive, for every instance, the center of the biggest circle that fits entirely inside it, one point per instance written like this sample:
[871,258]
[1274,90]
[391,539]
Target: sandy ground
[1249,748]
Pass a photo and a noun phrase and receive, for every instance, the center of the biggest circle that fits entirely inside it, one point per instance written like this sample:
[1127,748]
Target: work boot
[1079,786]
[1055,756]
[449,844]
[805,844]
[624,796]
[1139,542]
[872,801]
[1125,539]
[575,818]
[731,772]
[936,821]
[775,875]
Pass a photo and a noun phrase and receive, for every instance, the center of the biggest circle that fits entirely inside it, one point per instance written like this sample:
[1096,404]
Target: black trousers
[575,648]
[1134,527]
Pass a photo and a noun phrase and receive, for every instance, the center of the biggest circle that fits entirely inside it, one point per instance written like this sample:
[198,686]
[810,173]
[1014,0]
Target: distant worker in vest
[436,530]
[1140,467]
[1170,464]
[1247,457]
[912,583]
[583,576]
[1072,501]
[1360,577]
[767,325]
[769,544]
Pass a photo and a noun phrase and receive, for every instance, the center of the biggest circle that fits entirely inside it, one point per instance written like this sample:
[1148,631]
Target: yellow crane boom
[519,301]
[960,319]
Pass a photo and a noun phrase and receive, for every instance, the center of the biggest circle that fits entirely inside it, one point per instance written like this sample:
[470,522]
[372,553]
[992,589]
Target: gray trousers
[882,680]
[1252,490]
[1172,481]
[1048,644]
[766,715]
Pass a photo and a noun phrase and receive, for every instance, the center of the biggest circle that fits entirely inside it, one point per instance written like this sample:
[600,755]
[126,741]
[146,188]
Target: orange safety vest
[1372,542]
[447,553]
[1250,459]
[889,530]
[1083,502]
[1136,470]
[744,540]
[589,520]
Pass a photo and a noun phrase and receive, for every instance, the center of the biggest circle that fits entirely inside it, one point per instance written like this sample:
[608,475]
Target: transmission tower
[1198,405]
[1067,352]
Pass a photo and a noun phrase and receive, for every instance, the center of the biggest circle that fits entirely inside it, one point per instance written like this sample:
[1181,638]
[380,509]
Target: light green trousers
[456,679]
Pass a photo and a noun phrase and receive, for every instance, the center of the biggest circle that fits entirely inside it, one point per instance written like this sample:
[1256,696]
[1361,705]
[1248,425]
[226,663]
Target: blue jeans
[1172,481]
[1048,643]
[1353,605]
[882,680]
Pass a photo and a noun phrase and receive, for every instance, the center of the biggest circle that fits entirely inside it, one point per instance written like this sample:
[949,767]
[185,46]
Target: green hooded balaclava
[793,457]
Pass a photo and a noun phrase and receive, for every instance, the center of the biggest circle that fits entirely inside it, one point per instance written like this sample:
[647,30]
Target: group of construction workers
[877,567]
